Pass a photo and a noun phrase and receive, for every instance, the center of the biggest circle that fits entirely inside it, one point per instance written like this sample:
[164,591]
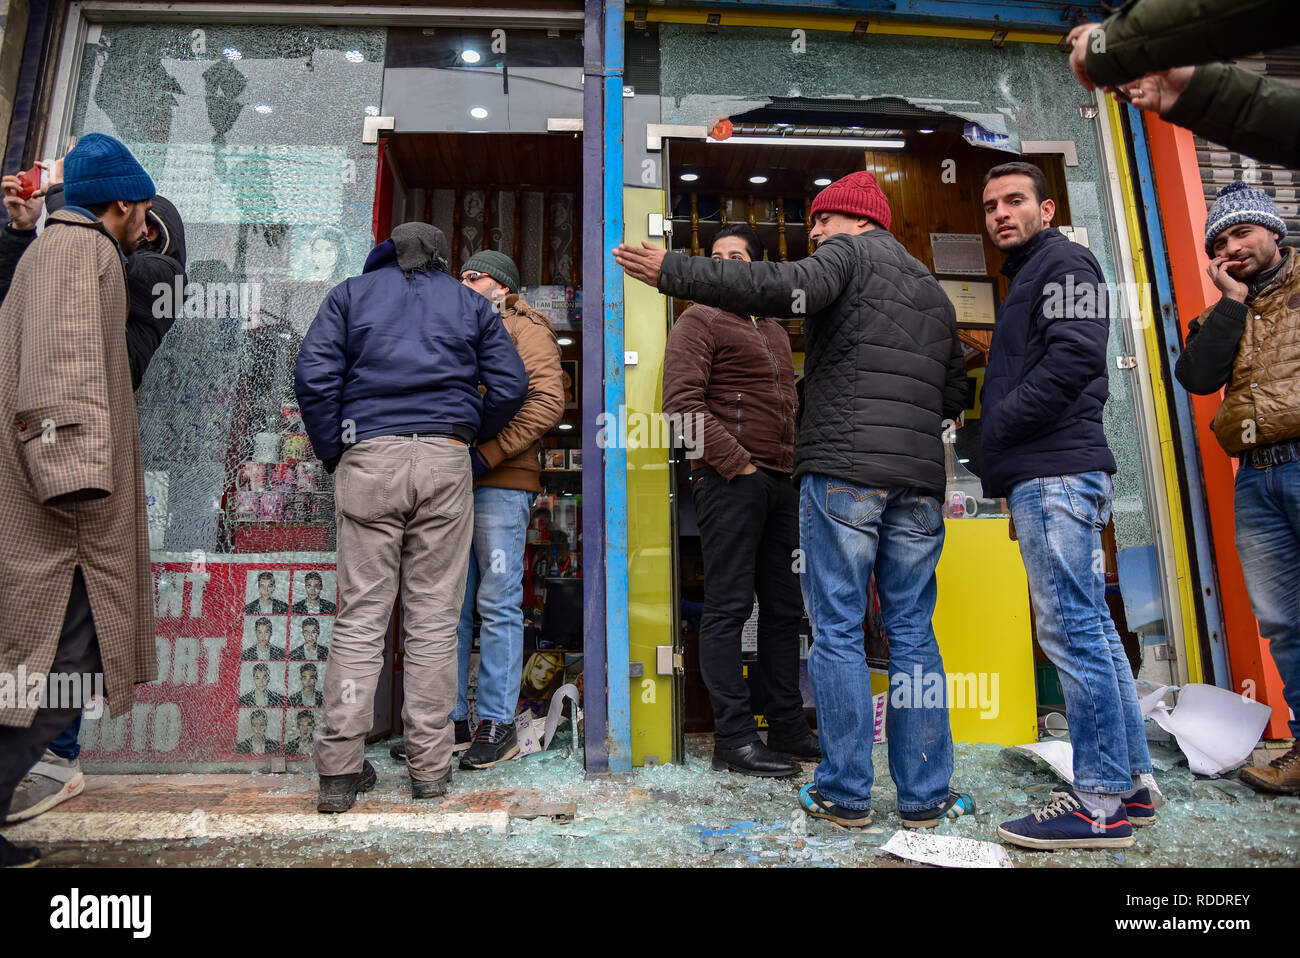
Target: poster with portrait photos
[310,637]
[315,592]
[300,731]
[262,684]
[264,639]
[267,592]
[306,685]
[259,731]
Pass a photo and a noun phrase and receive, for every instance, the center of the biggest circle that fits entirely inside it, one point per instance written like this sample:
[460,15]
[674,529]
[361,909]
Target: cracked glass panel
[254,133]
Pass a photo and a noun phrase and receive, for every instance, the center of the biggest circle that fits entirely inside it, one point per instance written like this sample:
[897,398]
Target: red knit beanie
[855,195]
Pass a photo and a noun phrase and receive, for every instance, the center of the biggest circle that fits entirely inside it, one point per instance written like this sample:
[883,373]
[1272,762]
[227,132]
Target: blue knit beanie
[1240,202]
[100,169]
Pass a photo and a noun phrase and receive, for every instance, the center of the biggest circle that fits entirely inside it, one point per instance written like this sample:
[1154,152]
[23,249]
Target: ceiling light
[478,112]
[690,177]
[566,425]
[859,142]
[565,341]
[822,181]
[758,179]
[925,131]
[230,53]
[354,56]
[471,56]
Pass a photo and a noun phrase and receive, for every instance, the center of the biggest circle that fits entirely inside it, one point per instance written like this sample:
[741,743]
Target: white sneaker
[52,780]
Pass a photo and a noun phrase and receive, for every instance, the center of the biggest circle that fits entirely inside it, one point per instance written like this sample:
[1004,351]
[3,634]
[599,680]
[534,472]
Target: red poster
[241,667]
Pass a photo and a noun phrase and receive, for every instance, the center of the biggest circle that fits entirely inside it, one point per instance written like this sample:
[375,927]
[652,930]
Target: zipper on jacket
[776,368]
[738,396]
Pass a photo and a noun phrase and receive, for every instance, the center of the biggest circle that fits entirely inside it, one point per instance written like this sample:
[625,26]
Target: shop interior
[766,172]
[520,194]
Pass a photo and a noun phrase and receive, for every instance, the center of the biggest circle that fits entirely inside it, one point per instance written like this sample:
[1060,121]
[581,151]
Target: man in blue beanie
[1249,342]
[71,478]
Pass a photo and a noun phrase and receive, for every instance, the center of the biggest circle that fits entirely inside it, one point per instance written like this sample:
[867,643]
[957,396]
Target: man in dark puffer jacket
[884,376]
[1044,448]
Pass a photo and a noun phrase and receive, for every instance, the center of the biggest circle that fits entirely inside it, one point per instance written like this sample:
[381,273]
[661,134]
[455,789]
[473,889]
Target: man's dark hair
[304,669]
[99,209]
[313,575]
[263,621]
[753,245]
[311,717]
[256,713]
[1020,168]
[261,667]
[312,622]
[266,575]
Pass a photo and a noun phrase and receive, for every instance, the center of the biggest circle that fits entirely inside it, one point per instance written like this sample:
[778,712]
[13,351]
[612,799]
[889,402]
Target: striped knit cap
[1240,202]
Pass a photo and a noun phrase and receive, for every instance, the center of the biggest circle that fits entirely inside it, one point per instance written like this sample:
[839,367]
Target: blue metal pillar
[619,738]
[593,391]
[1198,517]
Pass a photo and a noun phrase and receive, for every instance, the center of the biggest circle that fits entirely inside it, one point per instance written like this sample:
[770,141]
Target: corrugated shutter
[1220,165]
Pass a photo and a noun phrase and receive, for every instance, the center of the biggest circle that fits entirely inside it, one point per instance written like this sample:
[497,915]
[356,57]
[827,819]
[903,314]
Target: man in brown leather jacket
[730,379]
[1249,342]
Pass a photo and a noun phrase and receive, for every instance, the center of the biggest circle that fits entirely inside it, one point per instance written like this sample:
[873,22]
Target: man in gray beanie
[1249,342]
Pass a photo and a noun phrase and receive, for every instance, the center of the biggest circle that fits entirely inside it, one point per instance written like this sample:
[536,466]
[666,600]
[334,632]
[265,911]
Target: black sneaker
[338,793]
[493,742]
[462,742]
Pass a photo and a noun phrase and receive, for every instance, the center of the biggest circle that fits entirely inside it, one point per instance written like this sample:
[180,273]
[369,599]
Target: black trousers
[78,651]
[749,533]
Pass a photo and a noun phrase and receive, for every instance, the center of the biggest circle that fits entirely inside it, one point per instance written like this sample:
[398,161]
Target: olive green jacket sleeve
[1146,36]
[1244,112]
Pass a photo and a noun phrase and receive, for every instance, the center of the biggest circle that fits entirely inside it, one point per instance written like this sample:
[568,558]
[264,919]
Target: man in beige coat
[75,581]
[506,481]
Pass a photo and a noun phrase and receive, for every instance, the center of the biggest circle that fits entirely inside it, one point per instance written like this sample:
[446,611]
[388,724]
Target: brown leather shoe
[1280,776]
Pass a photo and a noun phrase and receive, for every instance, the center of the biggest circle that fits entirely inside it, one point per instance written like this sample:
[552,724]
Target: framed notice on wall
[973,299]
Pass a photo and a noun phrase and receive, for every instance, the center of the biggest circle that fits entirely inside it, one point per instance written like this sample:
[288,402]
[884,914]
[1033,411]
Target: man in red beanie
[883,373]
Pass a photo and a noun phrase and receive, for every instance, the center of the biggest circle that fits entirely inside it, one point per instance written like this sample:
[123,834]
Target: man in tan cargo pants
[387,381]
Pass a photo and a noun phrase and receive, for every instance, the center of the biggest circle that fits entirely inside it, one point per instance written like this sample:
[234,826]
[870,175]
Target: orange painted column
[1183,215]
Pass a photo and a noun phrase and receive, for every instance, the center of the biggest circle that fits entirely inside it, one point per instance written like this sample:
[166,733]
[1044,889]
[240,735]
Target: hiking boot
[434,788]
[817,805]
[462,742]
[1139,807]
[957,805]
[1068,823]
[754,758]
[1280,776]
[801,748]
[338,793]
[493,742]
[52,780]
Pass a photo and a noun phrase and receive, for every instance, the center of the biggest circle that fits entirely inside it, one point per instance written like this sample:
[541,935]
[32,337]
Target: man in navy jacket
[1044,449]
[388,382]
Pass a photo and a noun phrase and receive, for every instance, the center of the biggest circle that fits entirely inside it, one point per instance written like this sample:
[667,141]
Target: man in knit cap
[506,481]
[884,379]
[1249,342]
[71,480]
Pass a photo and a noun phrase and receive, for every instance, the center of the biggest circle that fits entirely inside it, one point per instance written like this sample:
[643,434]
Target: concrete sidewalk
[541,811]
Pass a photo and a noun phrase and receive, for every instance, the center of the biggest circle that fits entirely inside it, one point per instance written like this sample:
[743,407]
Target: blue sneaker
[1139,807]
[1067,823]
[957,805]
[817,805]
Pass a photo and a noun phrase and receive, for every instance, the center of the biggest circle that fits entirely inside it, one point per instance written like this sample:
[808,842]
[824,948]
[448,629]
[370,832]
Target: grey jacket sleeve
[1146,36]
[766,289]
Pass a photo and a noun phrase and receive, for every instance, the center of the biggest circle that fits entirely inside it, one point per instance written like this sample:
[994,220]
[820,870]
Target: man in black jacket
[884,377]
[1043,447]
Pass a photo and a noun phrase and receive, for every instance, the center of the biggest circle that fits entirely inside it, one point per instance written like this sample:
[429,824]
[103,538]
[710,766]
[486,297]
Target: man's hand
[1158,92]
[642,263]
[1078,38]
[23,213]
[1228,284]
[749,470]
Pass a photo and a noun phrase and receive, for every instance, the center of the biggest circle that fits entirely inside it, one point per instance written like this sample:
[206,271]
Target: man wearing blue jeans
[1249,342]
[1044,449]
[884,378]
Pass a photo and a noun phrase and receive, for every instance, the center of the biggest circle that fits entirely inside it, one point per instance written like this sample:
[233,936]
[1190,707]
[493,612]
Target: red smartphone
[30,181]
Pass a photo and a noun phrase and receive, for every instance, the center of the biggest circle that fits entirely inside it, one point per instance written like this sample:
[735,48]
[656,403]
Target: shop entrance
[519,194]
[766,173]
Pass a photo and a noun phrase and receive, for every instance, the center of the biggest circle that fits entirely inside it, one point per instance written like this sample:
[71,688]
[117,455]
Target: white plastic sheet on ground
[1058,754]
[1215,728]
[946,850]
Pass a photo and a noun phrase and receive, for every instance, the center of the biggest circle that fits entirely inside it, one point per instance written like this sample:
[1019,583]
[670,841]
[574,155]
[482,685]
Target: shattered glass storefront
[254,132]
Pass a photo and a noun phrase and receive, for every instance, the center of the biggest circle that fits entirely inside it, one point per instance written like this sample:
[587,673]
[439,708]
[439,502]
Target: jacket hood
[171,230]
[385,254]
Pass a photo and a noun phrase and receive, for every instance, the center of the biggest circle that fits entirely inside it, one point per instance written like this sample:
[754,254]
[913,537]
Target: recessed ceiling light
[758,179]
[822,181]
[471,56]
[565,341]
[566,425]
[925,131]
[478,112]
[230,53]
[263,108]
[354,56]
[690,177]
